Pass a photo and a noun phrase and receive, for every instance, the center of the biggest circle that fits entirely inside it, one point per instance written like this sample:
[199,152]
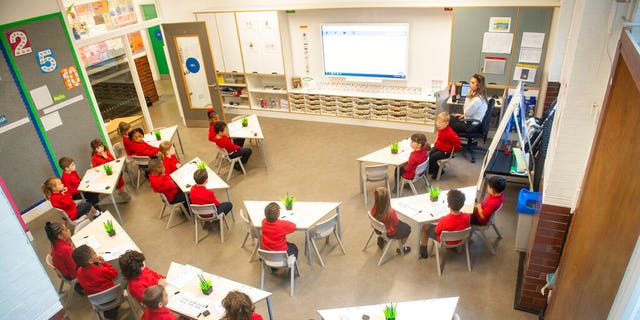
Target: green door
[149,12]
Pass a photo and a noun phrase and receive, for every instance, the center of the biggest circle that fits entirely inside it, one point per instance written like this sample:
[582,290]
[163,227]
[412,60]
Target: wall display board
[260,42]
[49,90]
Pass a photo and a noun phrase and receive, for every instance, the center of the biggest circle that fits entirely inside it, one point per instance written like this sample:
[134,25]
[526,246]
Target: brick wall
[146,78]
[548,240]
[553,89]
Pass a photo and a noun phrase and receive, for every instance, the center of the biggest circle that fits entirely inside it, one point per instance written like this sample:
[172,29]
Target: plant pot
[289,207]
[390,318]
[112,233]
[244,125]
[208,291]
[394,151]
[434,199]
[109,172]
[157,134]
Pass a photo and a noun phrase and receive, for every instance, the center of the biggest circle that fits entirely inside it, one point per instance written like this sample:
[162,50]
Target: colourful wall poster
[18,42]
[499,24]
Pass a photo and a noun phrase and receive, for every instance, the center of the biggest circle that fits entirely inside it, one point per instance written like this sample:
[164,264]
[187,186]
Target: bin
[528,202]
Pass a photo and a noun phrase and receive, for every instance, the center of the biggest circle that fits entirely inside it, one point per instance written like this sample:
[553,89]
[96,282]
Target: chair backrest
[454,236]
[107,299]
[255,233]
[420,170]
[118,150]
[495,214]
[486,121]
[325,228]
[141,160]
[65,216]
[205,211]
[274,259]
[223,152]
[377,172]
[165,200]
[49,261]
[377,225]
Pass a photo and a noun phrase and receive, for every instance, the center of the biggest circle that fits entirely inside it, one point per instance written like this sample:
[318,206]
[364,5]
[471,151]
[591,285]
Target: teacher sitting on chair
[475,106]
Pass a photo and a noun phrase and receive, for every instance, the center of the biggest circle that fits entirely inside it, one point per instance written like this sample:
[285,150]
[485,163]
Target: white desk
[384,156]
[185,286]
[304,215]
[421,210]
[94,235]
[432,309]
[251,131]
[166,134]
[96,180]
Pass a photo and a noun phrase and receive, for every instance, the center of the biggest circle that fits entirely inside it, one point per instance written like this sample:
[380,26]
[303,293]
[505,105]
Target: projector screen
[366,50]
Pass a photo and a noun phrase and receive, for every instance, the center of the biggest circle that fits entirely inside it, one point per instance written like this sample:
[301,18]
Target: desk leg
[339,224]
[269,308]
[307,248]
[113,199]
[180,140]
[419,234]
[397,181]
[360,182]
[189,215]
[233,216]
[264,152]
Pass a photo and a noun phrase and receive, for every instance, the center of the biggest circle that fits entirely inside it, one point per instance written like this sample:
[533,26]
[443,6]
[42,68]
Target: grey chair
[63,280]
[279,259]
[252,232]
[379,228]
[223,155]
[450,236]
[442,163]
[421,173]
[119,152]
[208,213]
[76,224]
[174,207]
[375,173]
[107,300]
[140,161]
[322,231]
[482,228]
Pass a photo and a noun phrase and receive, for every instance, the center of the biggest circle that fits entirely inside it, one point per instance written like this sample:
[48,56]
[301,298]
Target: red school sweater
[71,180]
[163,184]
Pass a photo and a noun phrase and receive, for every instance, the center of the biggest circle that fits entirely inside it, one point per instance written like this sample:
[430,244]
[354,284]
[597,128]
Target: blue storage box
[527,201]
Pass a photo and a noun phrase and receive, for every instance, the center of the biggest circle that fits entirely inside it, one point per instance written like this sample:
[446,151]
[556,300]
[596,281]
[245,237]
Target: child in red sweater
[156,300]
[275,231]
[139,276]
[200,195]
[418,155]
[238,306]
[123,129]
[162,183]
[59,235]
[454,221]
[213,118]
[484,210]
[383,212]
[100,155]
[94,274]
[446,141]
[168,155]
[56,192]
[71,180]
[139,147]
[223,142]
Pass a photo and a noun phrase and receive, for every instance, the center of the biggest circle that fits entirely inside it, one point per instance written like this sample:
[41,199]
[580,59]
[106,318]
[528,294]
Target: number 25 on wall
[46,60]
[19,42]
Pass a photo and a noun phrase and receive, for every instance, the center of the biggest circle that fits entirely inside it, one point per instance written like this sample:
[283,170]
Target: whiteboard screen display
[366,50]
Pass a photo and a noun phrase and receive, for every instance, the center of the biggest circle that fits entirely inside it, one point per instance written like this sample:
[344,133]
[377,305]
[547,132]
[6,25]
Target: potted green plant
[288,201]
[157,134]
[201,165]
[390,311]
[108,227]
[395,147]
[205,285]
[108,169]
[245,121]
[434,192]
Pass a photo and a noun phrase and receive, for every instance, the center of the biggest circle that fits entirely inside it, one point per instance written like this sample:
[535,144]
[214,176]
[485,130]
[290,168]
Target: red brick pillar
[553,89]
[544,256]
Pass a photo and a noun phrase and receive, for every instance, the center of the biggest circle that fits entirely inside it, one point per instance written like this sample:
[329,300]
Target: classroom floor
[317,162]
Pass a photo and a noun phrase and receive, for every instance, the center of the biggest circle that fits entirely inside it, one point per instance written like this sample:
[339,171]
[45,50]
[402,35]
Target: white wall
[12,10]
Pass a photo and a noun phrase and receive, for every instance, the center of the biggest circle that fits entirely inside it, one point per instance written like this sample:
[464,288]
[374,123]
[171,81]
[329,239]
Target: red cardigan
[390,222]
[274,234]
[447,139]
[163,184]
[71,180]
[64,201]
[143,149]
[62,260]
[127,145]
[98,160]
[146,279]
[200,195]
[452,222]
[226,143]
[170,164]
[97,278]
[163,313]
[417,157]
[212,133]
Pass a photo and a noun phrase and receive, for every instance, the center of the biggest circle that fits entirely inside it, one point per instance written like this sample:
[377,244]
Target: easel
[516,107]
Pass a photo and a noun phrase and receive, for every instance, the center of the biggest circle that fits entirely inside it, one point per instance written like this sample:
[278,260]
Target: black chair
[479,130]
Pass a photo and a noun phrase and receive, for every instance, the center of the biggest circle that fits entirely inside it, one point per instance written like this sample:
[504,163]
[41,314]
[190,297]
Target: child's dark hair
[95,143]
[152,296]
[65,162]
[497,183]
[211,113]
[133,131]
[47,185]
[219,126]
[272,212]
[53,229]
[155,165]
[381,203]
[238,306]
[455,199]
[81,255]
[131,263]
[421,139]
[123,127]
[200,176]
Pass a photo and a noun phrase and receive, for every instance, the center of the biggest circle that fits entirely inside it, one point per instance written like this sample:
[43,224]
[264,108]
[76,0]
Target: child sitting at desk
[238,306]
[454,221]
[155,299]
[123,129]
[71,180]
[484,210]
[139,147]
[59,235]
[201,195]
[213,118]
[139,276]
[418,155]
[223,142]
[274,231]
[168,155]
[383,212]
[56,192]
[94,274]
[100,155]
[446,141]
[162,183]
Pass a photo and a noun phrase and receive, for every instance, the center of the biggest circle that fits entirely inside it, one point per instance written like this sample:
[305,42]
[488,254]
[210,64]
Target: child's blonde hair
[381,204]
[444,117]
[123,127]
[164,147]
[47,186]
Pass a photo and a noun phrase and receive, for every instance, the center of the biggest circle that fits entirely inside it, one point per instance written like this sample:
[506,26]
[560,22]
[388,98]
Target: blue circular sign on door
[193,65]
[158,34]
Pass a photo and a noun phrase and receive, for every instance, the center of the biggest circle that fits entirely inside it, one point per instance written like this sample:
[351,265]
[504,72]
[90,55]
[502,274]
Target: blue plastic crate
[528,201]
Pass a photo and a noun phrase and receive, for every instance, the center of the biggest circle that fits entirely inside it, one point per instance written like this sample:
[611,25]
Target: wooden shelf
[270,91]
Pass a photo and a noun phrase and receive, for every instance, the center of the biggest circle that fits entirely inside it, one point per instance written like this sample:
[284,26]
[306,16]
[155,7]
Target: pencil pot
[108,169]
[111,233]
[208,291]
[157,134]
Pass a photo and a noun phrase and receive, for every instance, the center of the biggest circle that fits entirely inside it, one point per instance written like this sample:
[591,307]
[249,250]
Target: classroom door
[606,223]
[155,34]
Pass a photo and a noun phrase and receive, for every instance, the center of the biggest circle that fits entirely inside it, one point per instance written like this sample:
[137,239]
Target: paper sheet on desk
[98,186]
[115,252]
[180,275]
[188,304]
[91,241]
[90,176]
